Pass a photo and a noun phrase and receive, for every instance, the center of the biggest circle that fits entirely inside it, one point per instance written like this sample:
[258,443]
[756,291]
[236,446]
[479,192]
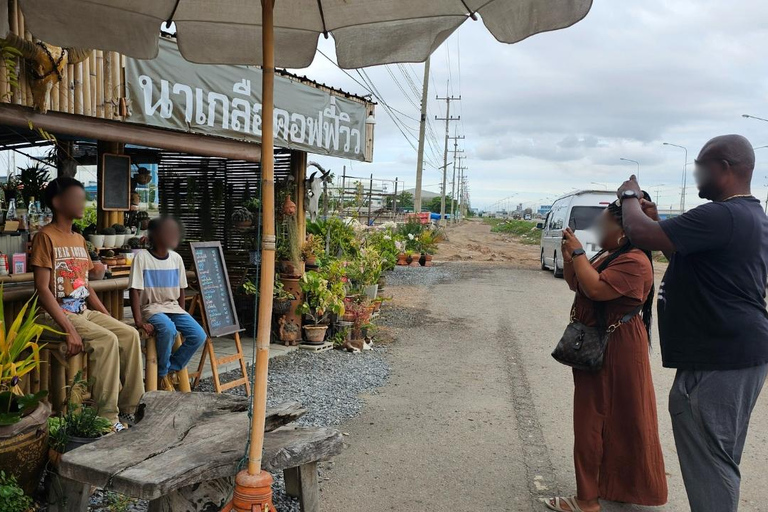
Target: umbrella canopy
[366,32]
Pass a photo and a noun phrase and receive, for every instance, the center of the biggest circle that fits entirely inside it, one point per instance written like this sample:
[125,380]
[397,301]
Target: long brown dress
[617,452]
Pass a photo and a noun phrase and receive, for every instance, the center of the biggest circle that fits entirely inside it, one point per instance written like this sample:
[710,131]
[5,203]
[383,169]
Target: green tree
[404,200]
[434,204]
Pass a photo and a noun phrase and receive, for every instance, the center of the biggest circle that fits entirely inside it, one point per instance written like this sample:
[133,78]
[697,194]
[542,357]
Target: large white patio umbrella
[283,33]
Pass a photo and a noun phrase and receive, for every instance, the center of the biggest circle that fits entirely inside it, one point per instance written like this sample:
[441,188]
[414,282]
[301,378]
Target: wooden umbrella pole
[253,487]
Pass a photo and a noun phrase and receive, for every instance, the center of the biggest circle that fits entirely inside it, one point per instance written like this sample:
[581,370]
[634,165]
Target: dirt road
[477,415]
[473,241]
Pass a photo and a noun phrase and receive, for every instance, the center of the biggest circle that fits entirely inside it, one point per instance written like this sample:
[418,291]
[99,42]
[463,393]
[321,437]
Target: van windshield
[582,217]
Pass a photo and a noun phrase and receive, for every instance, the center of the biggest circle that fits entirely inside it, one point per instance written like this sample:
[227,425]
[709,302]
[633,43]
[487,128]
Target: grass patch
[525,231]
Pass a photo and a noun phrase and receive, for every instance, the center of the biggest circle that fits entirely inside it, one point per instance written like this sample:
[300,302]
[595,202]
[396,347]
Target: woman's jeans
[166,326]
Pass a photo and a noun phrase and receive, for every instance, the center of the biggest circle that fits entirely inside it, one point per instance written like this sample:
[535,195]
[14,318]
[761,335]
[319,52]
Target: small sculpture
[47,63]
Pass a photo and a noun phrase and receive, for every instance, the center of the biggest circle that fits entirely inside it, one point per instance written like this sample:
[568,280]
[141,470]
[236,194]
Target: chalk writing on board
[214,289]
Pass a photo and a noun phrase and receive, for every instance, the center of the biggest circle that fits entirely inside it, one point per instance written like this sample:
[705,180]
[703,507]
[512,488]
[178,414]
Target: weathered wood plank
[207,431]
[301,483]
[65,495]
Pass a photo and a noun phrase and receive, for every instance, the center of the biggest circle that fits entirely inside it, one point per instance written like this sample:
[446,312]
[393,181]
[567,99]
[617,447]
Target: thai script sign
[170,92]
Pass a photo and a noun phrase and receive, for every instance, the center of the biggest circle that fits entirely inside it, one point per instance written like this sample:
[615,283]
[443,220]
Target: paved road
[477,415]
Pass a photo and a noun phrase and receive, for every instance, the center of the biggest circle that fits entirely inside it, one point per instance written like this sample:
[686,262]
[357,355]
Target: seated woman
[617,452]
[157,283]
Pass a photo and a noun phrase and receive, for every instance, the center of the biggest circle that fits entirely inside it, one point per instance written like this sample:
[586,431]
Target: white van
[578,211]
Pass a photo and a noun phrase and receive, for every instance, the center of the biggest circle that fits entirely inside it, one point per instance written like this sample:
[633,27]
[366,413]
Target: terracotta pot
[289,207]
[377,306]
[24,448]
[244,224]
[288,269]
[414,261]
[290,329]
[97,272]
[311,261]
[315,333]
[428,260]
[281,307]
[348,317]
[402,259]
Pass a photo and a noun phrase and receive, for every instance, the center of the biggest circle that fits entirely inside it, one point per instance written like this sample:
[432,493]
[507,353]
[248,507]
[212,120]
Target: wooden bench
[186,448]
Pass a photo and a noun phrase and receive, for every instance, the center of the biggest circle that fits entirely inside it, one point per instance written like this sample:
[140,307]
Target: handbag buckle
[579,341]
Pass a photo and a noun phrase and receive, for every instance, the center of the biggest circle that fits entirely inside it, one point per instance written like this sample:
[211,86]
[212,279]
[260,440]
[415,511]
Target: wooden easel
[208,352]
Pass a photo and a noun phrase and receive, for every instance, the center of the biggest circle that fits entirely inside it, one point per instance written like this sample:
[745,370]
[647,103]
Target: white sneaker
[118,427]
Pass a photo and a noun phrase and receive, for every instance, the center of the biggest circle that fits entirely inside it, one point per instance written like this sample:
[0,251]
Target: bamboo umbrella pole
[253,487]
[71,88]
[55,97]
[79,88]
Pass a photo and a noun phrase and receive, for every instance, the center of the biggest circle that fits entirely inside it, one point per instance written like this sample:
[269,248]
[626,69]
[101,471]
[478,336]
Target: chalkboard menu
[115,182]
[218,305]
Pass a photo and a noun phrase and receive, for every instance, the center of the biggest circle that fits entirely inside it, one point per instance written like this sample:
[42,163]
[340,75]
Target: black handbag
[583,347]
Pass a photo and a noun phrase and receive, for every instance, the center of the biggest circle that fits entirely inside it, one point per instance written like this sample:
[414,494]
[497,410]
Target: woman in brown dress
[617,453]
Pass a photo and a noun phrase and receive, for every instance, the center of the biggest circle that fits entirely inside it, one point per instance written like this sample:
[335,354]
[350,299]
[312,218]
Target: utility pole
[456,151]
[447,119]
[462,192]
[422,130]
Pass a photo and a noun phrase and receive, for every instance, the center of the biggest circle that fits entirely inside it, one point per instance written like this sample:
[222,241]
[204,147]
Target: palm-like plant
[19,355]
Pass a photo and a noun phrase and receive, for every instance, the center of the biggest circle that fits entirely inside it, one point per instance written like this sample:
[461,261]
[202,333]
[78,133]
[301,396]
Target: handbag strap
[626,318]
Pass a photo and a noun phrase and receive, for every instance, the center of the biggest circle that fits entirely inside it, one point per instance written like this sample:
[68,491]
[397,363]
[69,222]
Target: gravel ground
[439,273]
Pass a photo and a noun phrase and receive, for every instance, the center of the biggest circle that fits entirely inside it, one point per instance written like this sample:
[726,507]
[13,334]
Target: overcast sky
[558,110]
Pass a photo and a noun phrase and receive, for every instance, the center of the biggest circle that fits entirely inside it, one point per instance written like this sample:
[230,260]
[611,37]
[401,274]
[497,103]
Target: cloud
[560,109]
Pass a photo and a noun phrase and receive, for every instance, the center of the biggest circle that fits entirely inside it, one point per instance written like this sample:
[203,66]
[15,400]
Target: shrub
[12,498]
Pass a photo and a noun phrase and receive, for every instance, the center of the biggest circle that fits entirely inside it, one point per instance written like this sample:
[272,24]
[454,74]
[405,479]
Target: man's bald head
[734,149]
[725,164]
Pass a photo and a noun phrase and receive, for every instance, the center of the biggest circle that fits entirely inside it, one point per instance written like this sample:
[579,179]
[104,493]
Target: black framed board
[115,182]
[215,291]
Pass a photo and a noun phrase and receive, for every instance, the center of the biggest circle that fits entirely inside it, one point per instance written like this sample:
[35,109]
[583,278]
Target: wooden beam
[127,133]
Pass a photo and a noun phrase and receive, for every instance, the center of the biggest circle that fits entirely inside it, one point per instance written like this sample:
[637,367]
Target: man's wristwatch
[629,194]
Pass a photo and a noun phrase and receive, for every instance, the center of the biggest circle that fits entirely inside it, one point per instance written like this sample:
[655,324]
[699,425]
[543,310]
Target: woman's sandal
[571,502]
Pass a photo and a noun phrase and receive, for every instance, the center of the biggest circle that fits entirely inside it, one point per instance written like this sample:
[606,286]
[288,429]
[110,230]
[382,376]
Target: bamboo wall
[91,88]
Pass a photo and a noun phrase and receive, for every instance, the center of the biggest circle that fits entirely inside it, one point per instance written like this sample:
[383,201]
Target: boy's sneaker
[169,382]
[127,420]
[118,427]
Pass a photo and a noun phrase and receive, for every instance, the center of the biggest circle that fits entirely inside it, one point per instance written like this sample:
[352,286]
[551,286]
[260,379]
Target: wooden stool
[57,371]
[150,369]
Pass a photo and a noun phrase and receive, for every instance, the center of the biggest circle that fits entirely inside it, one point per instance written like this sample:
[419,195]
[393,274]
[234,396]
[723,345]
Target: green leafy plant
[249,288]
[108,231]
[339,337]
[253,205]
[10,56]
[320,300]
[242,216]
[89,219]
[12,497]
[33,181]
[280,293]
[79,420]
[312,247]
[339,234]
[19,355]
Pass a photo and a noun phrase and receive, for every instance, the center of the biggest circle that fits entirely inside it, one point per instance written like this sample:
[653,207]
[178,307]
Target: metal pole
[447,119]
[685,182]
[343,187]
[394,203]
[370,199]
[422,129]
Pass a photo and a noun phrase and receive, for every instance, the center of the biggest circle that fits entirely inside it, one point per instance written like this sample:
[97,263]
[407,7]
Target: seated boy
[61,263]
[157,284]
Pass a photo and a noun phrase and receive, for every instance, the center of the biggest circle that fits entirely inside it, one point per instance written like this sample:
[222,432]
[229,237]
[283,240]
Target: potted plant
[23,417]
[120,234]
[289,250]
[109,237]
[79,425]
[311,249]
[96,239]
[281,298]
[12,497]
[320,302]
[98,270]
[253,205]
[109,258]
[134,244]
[242,218]
[142,218]
[361,315]
[371,265]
